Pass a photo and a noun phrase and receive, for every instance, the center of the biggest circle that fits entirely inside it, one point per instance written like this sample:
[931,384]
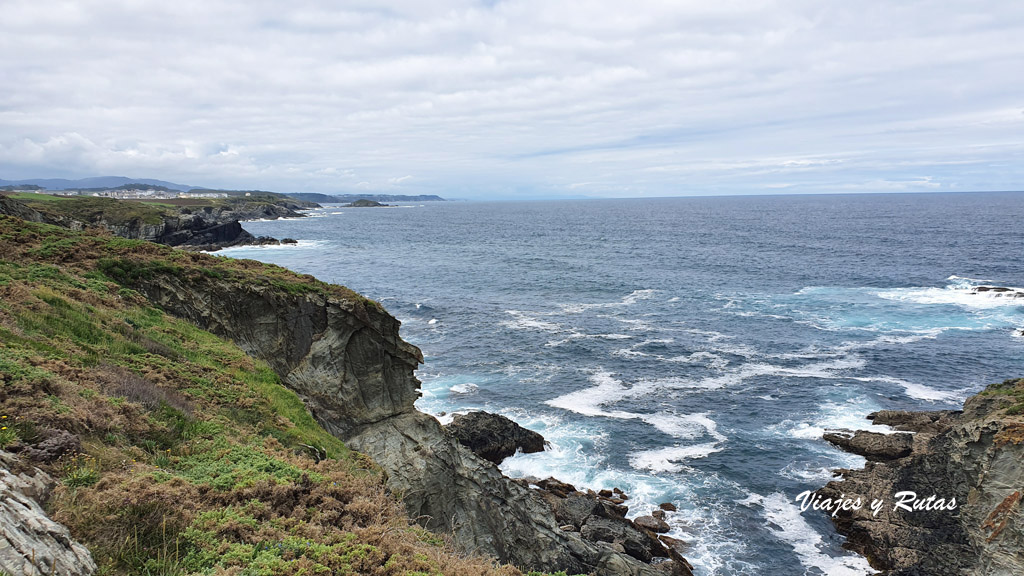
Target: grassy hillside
[92,209]
[188,456]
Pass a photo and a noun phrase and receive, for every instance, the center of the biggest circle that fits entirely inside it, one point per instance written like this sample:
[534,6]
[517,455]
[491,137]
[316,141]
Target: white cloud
[605,98]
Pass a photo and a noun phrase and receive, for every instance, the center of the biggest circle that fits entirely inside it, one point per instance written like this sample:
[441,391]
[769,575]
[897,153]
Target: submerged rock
[1000,291]
[493,437]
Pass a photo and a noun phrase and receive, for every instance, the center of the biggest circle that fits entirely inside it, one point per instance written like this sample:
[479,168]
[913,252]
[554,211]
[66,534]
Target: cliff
[343,355]
[171,450]
[212,453]
[975,457]
[196,224]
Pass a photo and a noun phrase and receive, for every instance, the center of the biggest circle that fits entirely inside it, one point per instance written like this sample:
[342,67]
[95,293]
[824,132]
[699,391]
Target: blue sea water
[691,350]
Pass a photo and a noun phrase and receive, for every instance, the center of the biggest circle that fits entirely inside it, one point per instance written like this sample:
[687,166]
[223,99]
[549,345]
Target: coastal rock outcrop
[31,544]
[342,354]
[194,227]
[999,291]
[12,207]
[975,458]
[600,517]
[874,446]
[492,436]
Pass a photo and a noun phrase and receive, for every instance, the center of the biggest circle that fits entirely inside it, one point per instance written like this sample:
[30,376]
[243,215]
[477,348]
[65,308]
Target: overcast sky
[494,99]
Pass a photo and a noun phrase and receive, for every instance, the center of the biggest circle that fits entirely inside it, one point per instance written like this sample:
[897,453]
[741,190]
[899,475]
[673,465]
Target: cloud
[552,97]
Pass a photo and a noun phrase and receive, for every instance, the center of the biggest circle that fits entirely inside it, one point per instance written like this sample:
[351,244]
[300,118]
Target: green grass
[1012,390]
[91,209]
[195,458]
[223,465]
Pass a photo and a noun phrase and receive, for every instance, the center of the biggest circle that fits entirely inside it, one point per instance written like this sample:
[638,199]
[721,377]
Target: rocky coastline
[343,356]
[355,374]
[950,483]
[199,228]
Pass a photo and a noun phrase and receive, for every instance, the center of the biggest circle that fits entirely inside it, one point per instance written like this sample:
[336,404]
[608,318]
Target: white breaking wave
[906,338]
[592,401]
[581,336]
[919,391]
[666,459]
[848,415]
[786,524]
[960,292]
[235,250]
[831,369]
[628,300]
[521,321]
[467,388]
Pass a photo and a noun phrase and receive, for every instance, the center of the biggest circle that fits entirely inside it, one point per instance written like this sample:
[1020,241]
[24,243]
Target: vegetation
[1013,391]
[188,456]
[91,209]
[96,210]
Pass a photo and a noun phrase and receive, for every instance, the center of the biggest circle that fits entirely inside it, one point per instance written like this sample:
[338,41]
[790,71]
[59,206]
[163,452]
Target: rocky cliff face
[344,356]
[30,543]
[976,457]
[206,228]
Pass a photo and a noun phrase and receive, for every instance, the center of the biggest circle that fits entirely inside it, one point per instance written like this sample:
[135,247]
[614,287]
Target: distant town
[124,192]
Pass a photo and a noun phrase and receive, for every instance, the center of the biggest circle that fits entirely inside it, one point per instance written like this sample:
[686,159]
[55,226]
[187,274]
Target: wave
[608,390]
[850,414]
[521,321]
[233,250]
[467,388]
[666,459]
[918,391]
[627,300]
[828,370]
[785,522]
[959,294]
[581,336]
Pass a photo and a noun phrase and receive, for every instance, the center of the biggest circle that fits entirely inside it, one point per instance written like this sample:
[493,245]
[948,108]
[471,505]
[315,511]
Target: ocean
[691,350]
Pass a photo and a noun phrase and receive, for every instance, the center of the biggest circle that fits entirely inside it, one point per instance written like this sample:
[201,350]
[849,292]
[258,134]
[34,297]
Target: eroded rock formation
[492,436]
[30,543]
[975,457]
[344,357]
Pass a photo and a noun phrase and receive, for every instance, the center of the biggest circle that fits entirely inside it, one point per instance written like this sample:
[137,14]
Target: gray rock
[976,457]
[638,544]
[30,543]
[931,422]
[873,445]
[651,523]
[493,437]
[345,359]
[575,508]
[53,445]
[11,207]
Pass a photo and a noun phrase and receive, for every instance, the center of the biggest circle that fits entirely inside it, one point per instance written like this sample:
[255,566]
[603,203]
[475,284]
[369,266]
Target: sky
[518,99]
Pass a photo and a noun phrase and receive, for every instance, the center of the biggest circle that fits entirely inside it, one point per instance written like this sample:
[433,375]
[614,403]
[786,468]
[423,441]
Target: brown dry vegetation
[177,453]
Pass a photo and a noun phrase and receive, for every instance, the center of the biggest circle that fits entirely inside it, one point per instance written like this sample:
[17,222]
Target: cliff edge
[975,457]
[342,354]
